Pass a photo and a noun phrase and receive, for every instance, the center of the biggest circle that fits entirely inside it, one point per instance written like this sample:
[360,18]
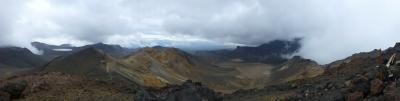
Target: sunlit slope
[174,66]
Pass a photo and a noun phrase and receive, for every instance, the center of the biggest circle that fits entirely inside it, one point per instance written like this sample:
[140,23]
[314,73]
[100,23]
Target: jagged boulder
[194,92]
[397,44]
[356,96]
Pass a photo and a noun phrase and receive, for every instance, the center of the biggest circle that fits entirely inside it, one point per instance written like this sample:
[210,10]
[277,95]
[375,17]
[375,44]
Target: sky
[330,29]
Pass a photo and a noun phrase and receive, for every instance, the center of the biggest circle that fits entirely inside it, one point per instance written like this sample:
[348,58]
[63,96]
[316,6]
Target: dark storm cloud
[331,29]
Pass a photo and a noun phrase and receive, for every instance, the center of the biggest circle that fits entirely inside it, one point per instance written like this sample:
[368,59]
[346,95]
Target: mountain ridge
[52,51]
[273,52]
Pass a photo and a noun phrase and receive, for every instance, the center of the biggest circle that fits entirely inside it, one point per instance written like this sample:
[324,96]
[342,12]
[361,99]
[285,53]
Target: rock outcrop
[188,91]
[13,90]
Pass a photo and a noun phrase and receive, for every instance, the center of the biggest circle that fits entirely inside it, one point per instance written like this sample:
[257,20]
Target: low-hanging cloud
[330,29]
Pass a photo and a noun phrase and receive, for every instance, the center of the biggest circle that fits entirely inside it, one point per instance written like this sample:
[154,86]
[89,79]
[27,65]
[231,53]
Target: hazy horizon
[330,30]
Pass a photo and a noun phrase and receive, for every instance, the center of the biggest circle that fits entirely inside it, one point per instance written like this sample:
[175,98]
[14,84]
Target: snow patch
[64,50]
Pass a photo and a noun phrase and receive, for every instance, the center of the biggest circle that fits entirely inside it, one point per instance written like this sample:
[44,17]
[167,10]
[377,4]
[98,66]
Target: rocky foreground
[62,87]
[55,86]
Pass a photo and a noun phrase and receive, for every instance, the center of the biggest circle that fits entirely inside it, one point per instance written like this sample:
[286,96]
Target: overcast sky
[331,29]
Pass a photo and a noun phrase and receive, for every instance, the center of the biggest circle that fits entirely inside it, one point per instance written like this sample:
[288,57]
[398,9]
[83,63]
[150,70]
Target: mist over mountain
[335,28]
[53,51]
[274,52]
[15,59]
[19,58]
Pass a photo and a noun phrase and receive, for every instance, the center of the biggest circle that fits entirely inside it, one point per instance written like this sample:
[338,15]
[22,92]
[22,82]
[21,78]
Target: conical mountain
[89,62]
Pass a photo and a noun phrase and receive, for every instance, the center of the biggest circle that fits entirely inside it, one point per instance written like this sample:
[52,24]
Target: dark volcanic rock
[356,96]
[332,96]
[397,44]
[392,93]
[376,87]
[14,89]
[4,96]
[189,91]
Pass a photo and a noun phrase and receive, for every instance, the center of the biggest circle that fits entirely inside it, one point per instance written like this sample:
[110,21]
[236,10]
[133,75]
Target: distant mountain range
[52,51]
[274,52]
[169,74]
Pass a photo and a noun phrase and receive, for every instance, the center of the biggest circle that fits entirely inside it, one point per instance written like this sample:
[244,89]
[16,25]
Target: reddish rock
[356,96]
[376,87]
